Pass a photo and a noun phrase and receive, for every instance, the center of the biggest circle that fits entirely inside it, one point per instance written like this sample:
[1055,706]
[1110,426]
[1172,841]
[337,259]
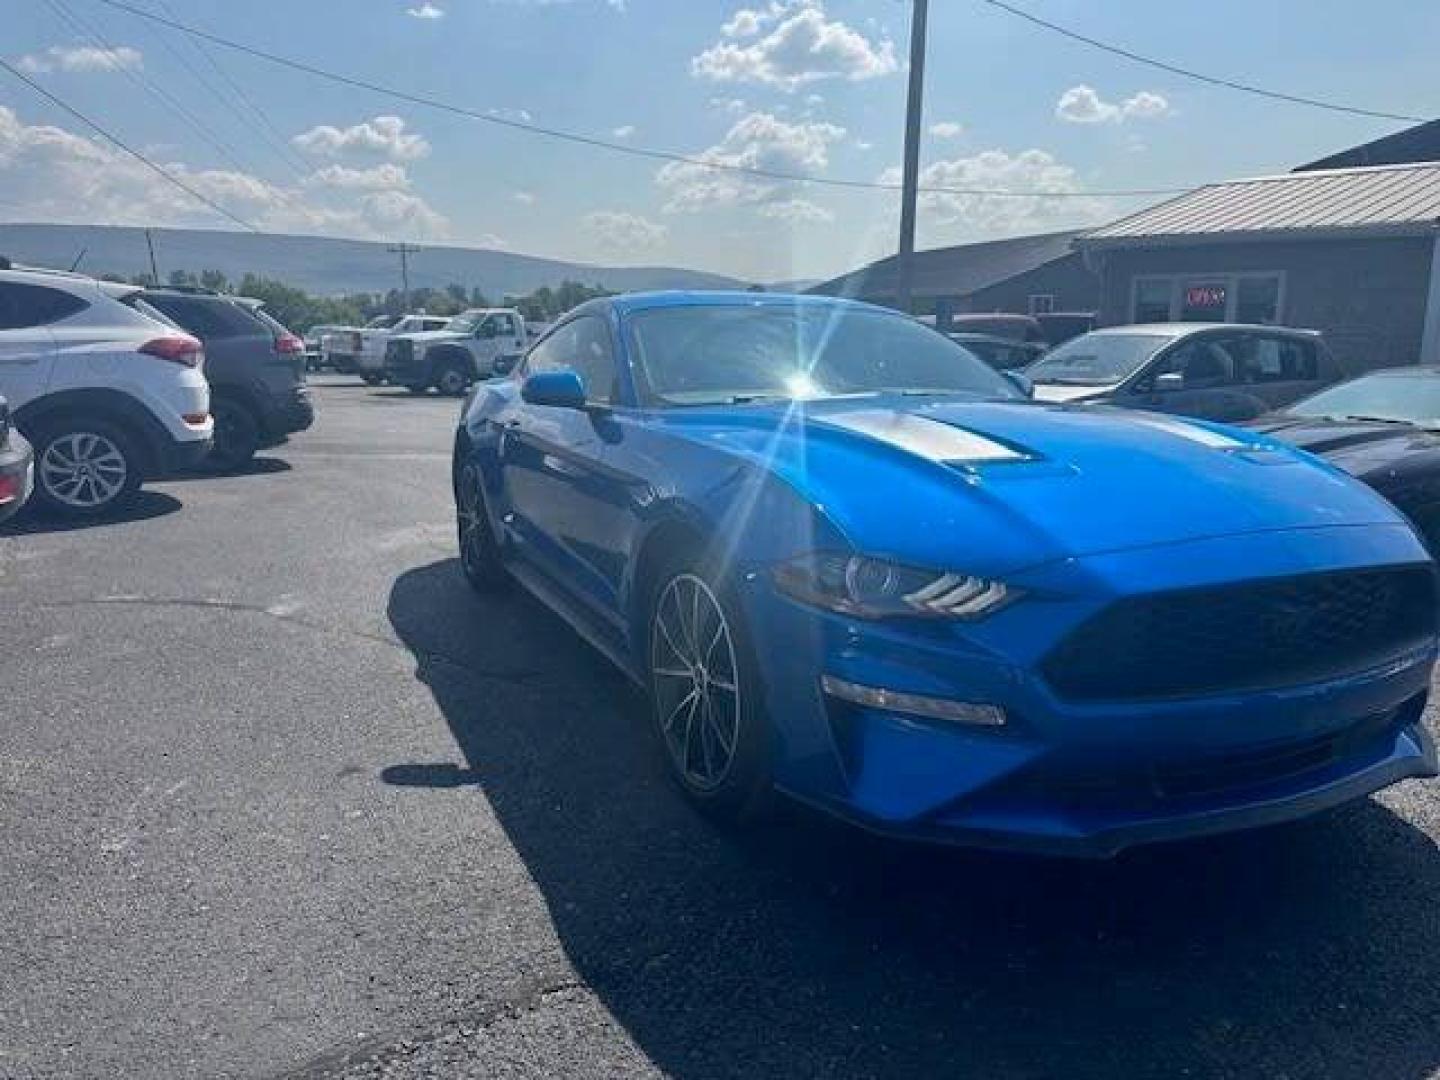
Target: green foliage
[300,310]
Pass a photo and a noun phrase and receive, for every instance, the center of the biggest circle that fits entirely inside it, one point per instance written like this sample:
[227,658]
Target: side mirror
[558,389]
[1170,381]
[1022,382]
[504,365]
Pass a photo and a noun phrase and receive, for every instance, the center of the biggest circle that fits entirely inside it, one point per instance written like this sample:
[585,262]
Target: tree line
[300,310]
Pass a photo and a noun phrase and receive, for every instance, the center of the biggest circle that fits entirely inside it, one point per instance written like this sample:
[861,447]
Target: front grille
[1257,635]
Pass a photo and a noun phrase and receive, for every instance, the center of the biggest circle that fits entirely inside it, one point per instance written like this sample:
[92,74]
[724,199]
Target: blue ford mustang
[850,562]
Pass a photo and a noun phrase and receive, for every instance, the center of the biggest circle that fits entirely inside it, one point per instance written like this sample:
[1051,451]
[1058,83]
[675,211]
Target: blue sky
[809,86]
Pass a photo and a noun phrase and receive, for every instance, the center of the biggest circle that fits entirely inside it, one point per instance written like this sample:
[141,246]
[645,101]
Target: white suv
[107,391]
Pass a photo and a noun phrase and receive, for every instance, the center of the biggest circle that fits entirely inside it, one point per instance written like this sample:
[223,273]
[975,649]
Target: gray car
[1214,371]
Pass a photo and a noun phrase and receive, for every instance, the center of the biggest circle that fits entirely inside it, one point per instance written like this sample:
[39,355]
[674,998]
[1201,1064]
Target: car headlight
[877,589]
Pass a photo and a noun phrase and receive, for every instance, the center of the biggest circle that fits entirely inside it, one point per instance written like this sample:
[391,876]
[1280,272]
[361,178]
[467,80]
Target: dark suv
[256,369]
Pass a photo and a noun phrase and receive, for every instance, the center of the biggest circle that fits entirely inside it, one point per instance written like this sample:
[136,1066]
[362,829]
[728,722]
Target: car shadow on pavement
[257,466]
[807,948]
[33,520]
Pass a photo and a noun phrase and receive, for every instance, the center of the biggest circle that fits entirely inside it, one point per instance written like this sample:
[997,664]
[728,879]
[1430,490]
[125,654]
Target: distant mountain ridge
[324,266]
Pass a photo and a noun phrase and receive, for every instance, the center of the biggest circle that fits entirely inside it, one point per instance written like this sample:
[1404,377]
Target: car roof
[647,301]
[1184,329]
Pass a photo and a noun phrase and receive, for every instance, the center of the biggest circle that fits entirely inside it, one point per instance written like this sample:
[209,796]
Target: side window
[584,347]
[24,306]
[1204,364]
[207,319]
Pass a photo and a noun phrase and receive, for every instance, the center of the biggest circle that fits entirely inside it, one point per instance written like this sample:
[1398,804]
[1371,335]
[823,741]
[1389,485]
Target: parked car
[17,466]
[453,358]
[998,324]
[340,348]
[256,369]
[1002,354]
[1058,327]
[314,352]
[1383,428]
[1214,371]
[370,360]
[107,394]
[849,561]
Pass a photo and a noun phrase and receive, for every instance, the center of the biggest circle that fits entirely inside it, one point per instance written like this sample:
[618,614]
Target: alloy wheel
[451,382]
[83,470]
[696,681]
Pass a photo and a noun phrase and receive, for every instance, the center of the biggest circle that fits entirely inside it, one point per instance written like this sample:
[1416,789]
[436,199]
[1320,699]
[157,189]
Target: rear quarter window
[208,319]
[23,306]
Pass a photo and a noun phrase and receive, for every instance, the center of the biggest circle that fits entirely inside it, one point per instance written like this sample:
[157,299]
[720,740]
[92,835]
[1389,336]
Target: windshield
[1412,399]
[1096,359]
[708,355]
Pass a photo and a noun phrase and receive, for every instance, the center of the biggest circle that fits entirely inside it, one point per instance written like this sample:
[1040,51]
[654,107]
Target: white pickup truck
[340,346]
[369,345]
[452,358]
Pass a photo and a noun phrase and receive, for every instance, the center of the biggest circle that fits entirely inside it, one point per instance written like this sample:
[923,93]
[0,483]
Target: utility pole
[914,107]
[404,251]
[154,270]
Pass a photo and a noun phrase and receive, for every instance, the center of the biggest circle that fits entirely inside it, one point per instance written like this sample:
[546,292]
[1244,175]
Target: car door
[561,497]
[27,347]
[500,334]
[1201,376]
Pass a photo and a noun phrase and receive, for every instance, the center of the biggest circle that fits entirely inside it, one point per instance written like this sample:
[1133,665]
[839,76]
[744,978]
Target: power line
[603,144]
[136,154]
[1213,80]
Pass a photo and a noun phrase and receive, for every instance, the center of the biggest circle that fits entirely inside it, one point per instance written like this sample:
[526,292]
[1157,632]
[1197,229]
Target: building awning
[1393,200]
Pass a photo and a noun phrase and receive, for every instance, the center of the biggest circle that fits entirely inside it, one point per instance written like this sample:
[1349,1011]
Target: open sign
[1205,297]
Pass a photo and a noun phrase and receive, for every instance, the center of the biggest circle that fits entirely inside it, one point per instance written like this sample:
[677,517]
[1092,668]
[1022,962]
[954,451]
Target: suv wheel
[237,435]
[85,468]
[452,379]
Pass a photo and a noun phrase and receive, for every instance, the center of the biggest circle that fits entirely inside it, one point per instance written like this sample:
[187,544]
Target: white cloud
[522,115]
[383,177]
[624,131]
[792,43]
[1083,105]
[52,174]
[796,211]
[946,129]
[757,141]
[384,136]
[995,215]
[620,233]
[426,10]
[733,106]
[524,198]
[82,58]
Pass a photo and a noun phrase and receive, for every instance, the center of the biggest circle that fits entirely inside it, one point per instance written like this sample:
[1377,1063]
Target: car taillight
[10,488]
[289,345]
[177,348]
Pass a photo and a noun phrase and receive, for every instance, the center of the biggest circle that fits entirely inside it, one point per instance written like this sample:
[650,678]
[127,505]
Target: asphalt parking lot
[281,798]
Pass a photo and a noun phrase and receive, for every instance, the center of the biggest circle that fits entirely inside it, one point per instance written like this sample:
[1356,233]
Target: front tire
[85,468]
[373,380]
[452,378]
[479,552]
[705,694]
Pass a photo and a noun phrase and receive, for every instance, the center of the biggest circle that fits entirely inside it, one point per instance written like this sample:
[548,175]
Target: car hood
[1361,448]
[997,486]
[1061,392]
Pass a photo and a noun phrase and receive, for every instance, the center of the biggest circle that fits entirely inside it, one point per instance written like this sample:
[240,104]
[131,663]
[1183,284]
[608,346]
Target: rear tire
[237,435]
[705,693]
[479,551]
[373,380]
[85,468]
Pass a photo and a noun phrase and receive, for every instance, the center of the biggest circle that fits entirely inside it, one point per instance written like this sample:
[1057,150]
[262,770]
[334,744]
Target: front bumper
[1082,779]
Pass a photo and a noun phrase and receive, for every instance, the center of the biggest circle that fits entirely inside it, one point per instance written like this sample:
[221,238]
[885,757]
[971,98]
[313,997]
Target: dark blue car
[850,562]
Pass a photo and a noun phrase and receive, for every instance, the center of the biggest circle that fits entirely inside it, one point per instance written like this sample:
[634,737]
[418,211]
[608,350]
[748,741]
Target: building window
[1152,300]
[1041,303]
[1247,298]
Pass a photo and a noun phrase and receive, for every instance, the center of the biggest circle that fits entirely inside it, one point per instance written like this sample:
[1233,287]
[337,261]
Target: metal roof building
[1352,252]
